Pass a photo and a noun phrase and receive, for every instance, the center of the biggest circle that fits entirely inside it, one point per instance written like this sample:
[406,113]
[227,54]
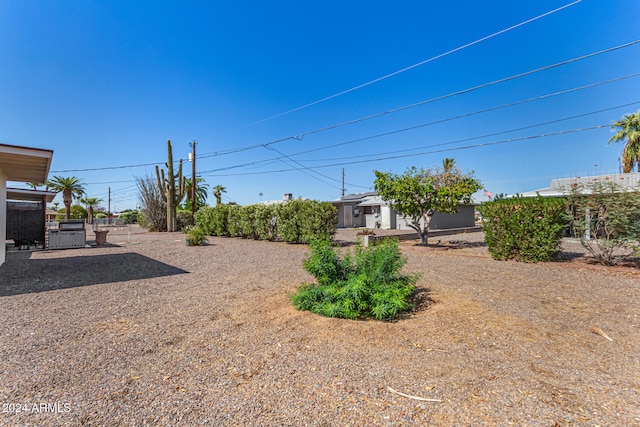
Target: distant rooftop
[562,186]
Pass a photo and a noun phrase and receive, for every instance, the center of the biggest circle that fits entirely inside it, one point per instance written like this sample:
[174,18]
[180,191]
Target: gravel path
[149,332]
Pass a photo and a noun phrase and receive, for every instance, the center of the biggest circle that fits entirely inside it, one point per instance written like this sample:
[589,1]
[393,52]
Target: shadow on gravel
[21,275]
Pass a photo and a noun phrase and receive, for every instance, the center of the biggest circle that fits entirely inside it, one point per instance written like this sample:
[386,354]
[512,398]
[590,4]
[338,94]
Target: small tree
[419,193]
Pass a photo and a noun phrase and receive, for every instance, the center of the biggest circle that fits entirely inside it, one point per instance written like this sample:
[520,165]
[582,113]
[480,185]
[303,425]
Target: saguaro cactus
[172,192]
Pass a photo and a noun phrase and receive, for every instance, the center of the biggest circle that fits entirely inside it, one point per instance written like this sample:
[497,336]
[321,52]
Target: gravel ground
[149,332]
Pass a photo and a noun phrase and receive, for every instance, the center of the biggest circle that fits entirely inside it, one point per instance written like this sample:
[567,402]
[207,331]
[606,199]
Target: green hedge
[524,229]
[296,221]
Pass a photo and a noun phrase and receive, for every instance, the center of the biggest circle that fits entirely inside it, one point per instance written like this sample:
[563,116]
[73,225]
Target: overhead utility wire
[505,141]
[366,138]
[311,170]
[303,169]
[461,92]
[449,52]
[301,136]
[361,119]
[481,136]
[272,160]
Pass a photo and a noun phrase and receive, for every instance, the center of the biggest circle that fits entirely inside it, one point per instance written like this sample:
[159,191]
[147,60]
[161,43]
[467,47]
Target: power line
[524,138]
[396,131]
[481,136]
[311,170]
[449,52]
[300,136]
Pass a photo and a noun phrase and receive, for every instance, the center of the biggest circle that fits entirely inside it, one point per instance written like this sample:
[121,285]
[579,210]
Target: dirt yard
[149,332]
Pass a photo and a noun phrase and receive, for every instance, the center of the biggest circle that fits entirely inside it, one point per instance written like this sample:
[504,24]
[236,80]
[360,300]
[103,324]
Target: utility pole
[193,179]
[343,189]
[109,208]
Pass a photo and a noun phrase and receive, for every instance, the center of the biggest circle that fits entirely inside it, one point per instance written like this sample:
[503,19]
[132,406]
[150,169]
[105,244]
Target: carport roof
[25,164]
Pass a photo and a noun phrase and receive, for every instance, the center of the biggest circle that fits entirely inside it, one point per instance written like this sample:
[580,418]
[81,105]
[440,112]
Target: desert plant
[172,191]
[524,229]
[364,284]
[195,236]
[606,218]
[153,208]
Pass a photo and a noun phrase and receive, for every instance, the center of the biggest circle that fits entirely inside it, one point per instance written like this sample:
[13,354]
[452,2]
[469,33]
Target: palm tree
[69,187]
[34,185]
[217,193]
[448,164]
[201,193]
[90,202]
[628,133]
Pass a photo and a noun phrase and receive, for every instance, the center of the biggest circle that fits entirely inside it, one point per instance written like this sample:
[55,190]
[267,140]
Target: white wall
[3,215]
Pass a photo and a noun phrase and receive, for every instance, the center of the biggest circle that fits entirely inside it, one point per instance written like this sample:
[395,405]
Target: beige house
[19,164]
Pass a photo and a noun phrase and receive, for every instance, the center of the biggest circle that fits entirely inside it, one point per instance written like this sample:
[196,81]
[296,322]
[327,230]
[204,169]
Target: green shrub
[296,221]
[204,219]
[319,220]
[195,236]
[365,284]
[290,218]
[524,229]
[248,222]
[266,222]
[184,219]
[300,221]
[233,221]
[214,220]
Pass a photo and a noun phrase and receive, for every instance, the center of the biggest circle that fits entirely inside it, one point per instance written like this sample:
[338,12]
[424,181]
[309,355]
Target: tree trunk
[66,198]
[424,237]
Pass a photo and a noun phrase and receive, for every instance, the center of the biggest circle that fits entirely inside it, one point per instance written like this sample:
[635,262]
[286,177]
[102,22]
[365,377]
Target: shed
[26,215]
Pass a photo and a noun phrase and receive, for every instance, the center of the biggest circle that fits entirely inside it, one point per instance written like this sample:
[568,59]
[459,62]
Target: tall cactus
[172,194]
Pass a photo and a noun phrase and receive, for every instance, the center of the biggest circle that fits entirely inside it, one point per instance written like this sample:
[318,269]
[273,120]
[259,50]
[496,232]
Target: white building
[370,211]
[20,164]
[563,186]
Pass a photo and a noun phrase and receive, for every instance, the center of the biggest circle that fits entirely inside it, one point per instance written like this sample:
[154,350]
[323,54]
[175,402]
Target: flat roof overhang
[23,194]
[25,164]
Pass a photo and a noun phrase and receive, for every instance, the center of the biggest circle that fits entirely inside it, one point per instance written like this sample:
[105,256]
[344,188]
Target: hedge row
[296,221]
[524,229]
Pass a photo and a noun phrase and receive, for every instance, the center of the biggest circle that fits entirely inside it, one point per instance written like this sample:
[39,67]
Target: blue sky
[105,83]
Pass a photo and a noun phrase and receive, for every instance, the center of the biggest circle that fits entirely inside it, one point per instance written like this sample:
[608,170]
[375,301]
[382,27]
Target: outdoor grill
[70,234]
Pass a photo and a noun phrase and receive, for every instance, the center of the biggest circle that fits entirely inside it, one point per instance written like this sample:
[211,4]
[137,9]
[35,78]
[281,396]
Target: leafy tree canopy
[419,193]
